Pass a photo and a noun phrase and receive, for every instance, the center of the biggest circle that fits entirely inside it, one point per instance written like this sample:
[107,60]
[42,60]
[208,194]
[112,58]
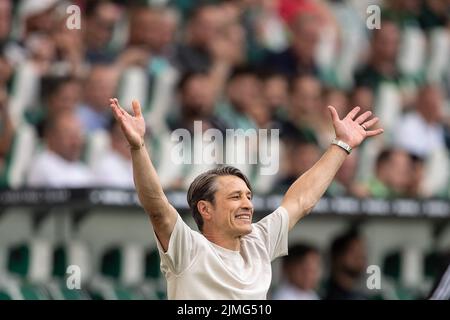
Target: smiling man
[231,256]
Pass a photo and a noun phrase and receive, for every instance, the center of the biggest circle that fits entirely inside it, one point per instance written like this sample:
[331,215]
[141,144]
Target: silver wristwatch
[342,144]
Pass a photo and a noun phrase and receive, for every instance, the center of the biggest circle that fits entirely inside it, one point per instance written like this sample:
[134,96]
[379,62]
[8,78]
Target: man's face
[430,104]
[233,209]
[66,139]
[5,18]
[354,260]
[205,26]
[198,96]
[386,42]
[100,86]
[100,26]
[306,97]
[307,271]
[243,90]
[65,99]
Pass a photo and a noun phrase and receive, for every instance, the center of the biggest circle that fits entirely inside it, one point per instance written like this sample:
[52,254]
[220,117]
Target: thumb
[334,114]
[136,108]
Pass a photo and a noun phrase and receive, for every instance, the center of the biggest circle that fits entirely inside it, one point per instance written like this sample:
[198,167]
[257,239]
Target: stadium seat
[440,51]
[64,255]
[405,271]
[154,286]
[412,51]
[24,145]
[29,265]
[121,272]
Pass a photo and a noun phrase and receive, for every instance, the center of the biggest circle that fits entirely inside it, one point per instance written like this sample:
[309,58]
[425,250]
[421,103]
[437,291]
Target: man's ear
[205,208]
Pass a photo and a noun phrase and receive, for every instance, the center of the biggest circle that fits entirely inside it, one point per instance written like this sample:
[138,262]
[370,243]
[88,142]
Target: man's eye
[235,197]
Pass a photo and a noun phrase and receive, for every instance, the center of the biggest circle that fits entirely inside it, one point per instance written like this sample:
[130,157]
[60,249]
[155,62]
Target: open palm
[133,127]
[354,131]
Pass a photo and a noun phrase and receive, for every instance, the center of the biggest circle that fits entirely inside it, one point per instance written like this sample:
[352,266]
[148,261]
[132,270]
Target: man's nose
[248,204]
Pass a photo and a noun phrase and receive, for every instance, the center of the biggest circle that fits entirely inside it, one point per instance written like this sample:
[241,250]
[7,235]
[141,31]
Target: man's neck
[227,242]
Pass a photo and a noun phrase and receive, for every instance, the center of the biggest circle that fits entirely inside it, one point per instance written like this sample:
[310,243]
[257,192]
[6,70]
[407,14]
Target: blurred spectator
[6,72]
[6,134]
[300,155]
[363,97]
[5,20]
[69,47]
[393,174]
[203,27]
[301,272]
[242,65]
[304,108]
[422,133]
[42,52]
[404,12]
[37,16]
[434,13]
[116,159]
[345,183]
[101,18]
[211,36]
[152,29]
[60,94]
[196,104]
[59,164]
[99,87]
[243,92]
[276,91]
[215,43]
[348,264]
[382,64]
[299,58]
[417,177]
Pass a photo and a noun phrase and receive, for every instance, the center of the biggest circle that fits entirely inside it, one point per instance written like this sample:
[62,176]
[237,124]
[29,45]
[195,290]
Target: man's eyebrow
[239,192]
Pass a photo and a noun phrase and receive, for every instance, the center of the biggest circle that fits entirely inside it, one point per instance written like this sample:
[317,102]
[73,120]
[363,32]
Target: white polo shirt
[197,269]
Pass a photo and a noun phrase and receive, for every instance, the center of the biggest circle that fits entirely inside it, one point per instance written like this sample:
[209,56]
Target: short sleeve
[273,230]
[182,249]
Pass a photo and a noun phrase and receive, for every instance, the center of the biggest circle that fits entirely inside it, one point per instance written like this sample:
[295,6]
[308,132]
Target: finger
[116,111]
[334,114]
[121,110]
[371,122]
[363,117]
[352,114]
[374,132]
[136,108]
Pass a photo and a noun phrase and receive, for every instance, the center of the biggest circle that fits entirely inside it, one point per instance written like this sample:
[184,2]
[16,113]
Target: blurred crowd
[237,64]
[342,272]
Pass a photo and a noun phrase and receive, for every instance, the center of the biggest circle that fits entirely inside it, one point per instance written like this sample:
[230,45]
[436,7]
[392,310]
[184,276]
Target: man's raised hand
[351,129]
[133,127]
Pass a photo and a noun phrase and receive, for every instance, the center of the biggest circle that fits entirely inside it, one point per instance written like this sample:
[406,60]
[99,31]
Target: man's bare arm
[151,195]
[306,191]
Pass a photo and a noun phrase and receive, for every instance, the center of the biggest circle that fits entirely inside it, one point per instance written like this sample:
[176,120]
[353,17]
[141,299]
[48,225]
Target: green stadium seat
[65,255]
[155,285]
[121,274]
[4,296]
